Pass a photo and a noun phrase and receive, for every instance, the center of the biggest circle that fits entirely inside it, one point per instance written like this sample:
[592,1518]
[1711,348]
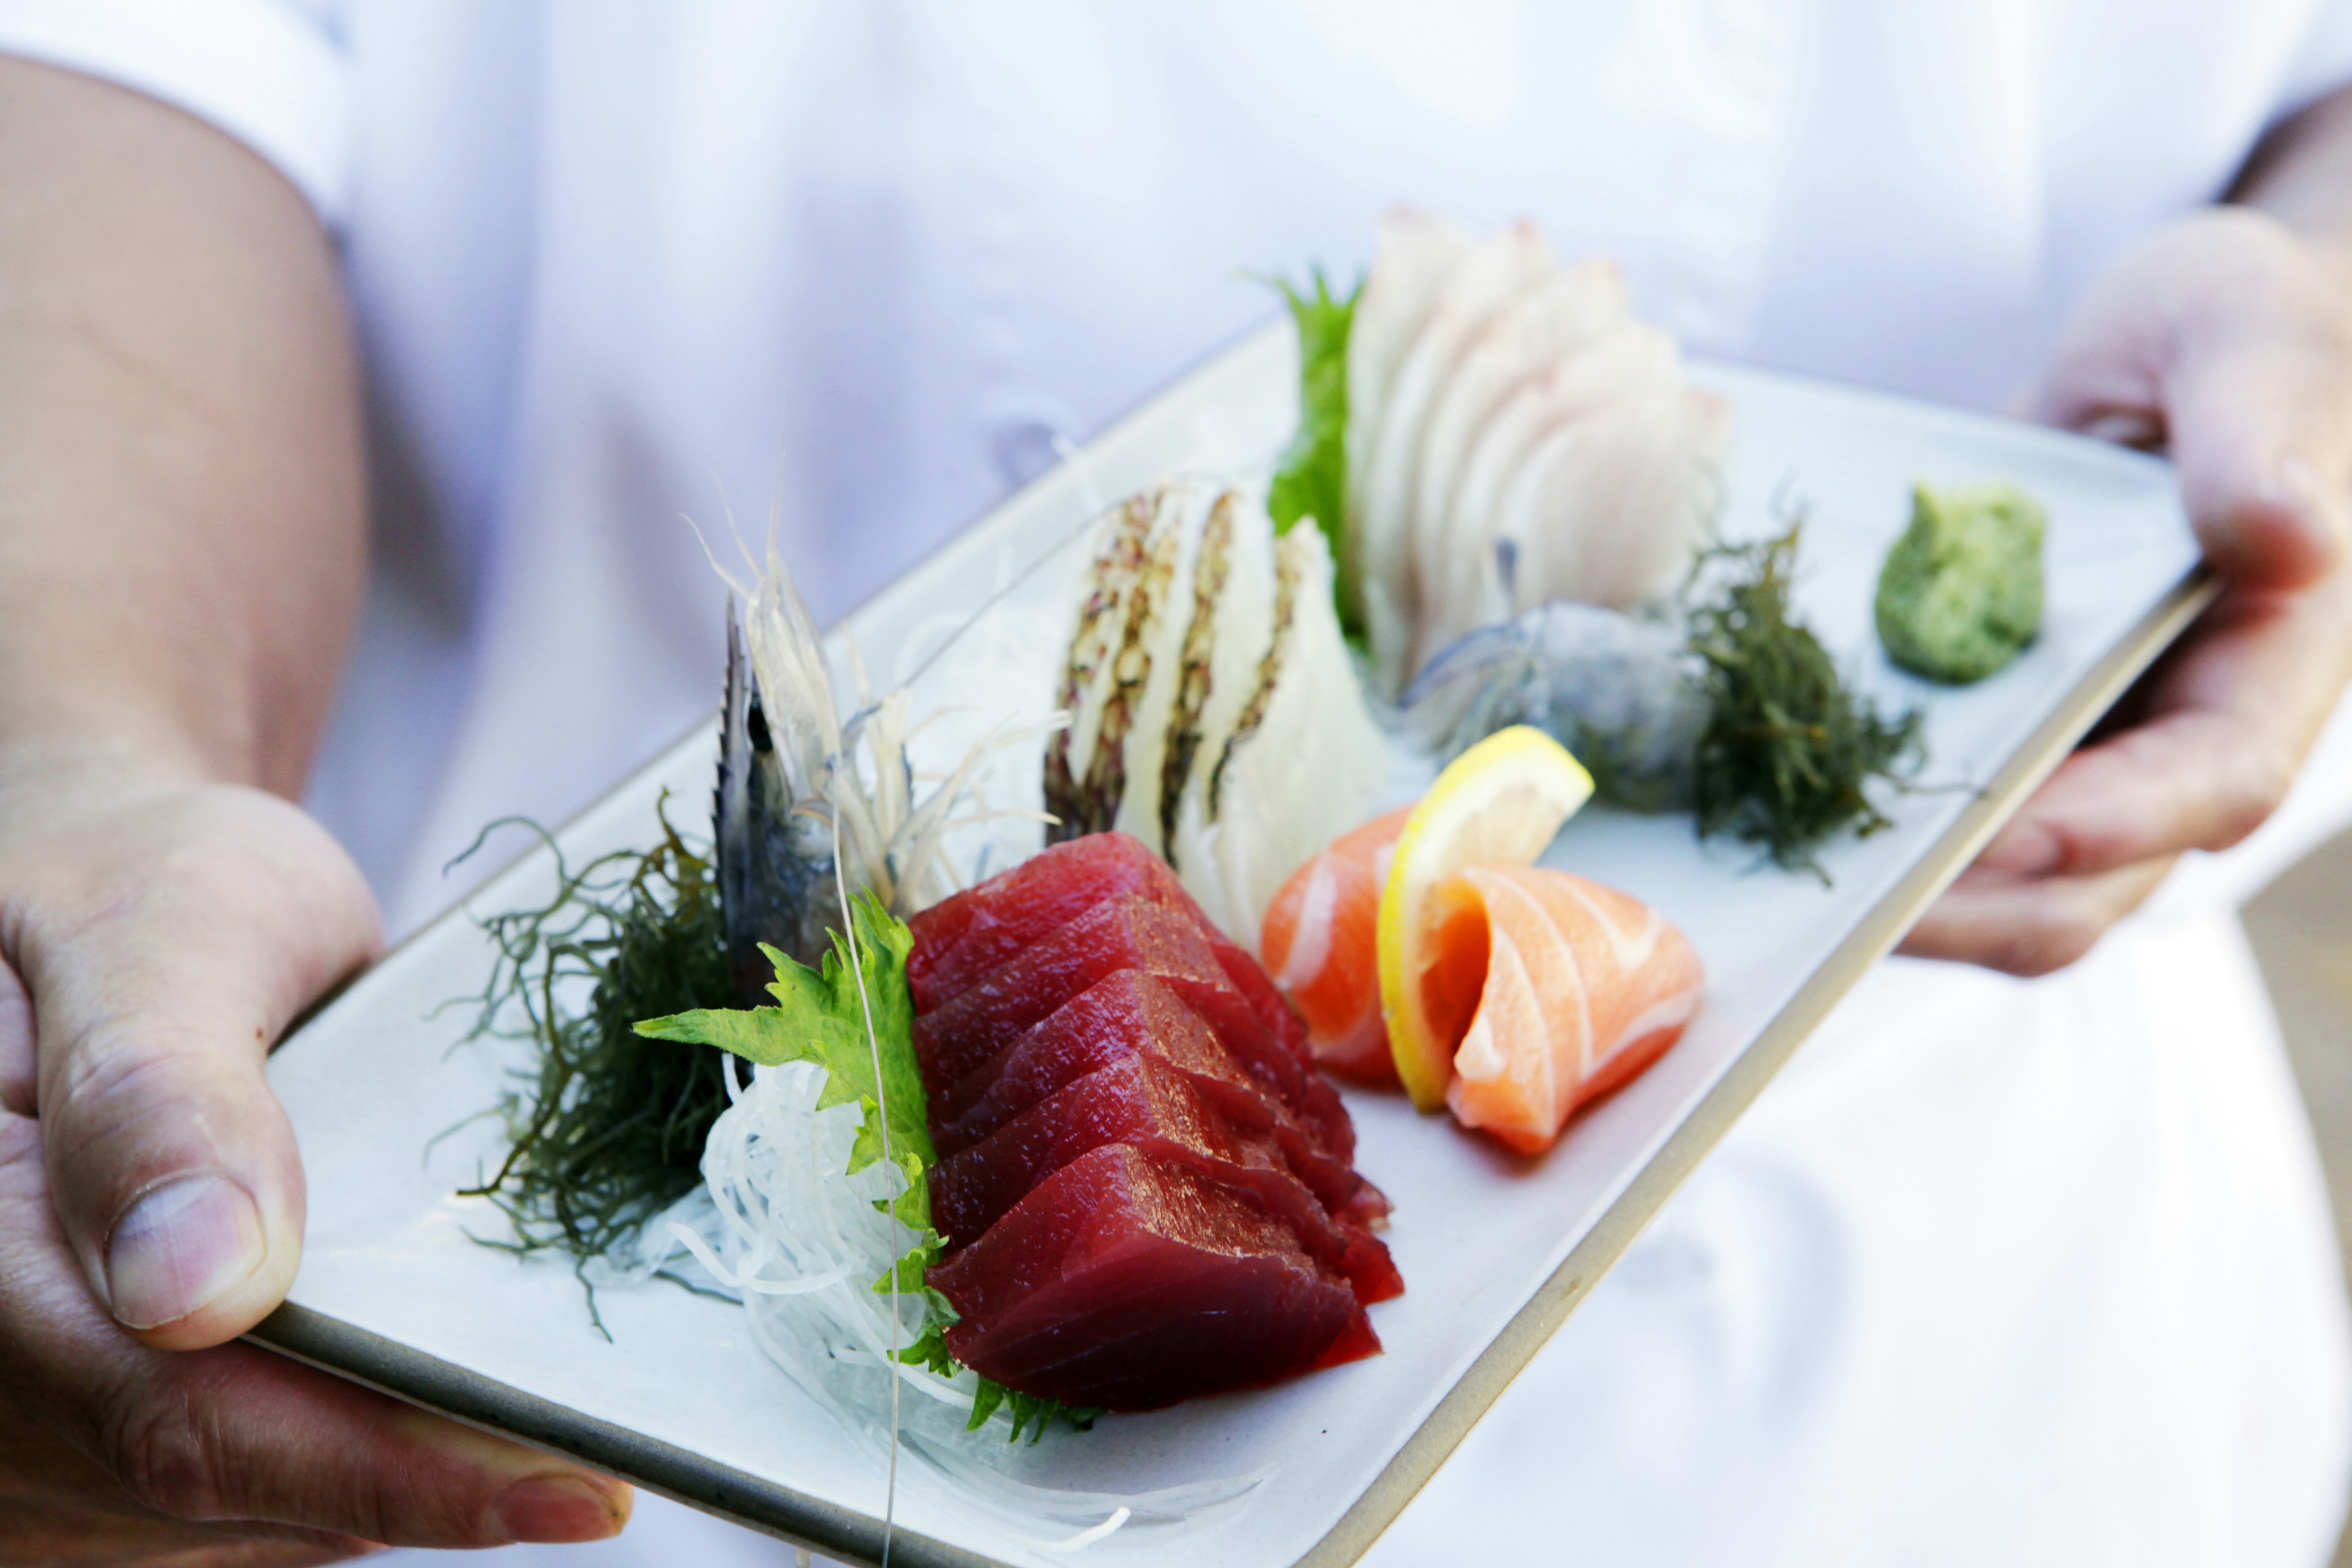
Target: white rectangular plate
[1495,1250]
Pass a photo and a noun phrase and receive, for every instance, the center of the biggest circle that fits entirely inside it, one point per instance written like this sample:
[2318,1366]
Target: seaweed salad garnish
[1788,749]
[607,1130]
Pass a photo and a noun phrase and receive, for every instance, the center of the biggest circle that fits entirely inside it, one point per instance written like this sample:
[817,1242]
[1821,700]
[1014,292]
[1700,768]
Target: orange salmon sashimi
[1559,990]
[1319,940]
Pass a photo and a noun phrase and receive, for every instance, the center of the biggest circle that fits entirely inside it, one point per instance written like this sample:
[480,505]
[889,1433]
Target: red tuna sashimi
[1150,1106]
[1127,932]
[960,939]
[1124,1282]
[1131,1013]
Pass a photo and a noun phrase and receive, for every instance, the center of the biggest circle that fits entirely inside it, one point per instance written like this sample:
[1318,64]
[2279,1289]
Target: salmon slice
[1319,942]
[1563,991]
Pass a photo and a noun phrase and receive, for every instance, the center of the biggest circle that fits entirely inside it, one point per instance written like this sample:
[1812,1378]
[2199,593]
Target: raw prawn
[797,782]
[1624,692]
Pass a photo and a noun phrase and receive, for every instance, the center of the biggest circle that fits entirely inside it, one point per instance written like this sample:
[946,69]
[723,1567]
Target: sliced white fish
[1242,634]
[1493,275]
[1611,506]
[1215,712]
[1151,667]
[1463,576]
[1414,253]
[1514,435]
[1562,315]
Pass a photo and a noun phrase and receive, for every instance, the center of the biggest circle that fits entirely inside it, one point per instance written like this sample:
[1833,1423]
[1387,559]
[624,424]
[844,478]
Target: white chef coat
[1999,1271]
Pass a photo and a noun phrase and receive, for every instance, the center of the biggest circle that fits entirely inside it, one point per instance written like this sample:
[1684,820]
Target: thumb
[2261,433]
[2223,337]
[179,935]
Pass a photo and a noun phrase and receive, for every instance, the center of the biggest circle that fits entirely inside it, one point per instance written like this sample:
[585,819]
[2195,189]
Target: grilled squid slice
[1215,709]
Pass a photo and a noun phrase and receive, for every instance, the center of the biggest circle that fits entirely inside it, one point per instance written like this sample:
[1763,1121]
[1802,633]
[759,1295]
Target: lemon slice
[1497,803]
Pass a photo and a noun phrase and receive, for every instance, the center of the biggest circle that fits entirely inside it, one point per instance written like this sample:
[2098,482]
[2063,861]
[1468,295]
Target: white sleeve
[2323,63]
[271,73]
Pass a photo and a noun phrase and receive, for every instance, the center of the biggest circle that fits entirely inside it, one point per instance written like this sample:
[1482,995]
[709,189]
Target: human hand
[157,932]
[2226,341]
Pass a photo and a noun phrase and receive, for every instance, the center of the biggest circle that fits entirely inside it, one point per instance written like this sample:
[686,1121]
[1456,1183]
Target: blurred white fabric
[1999,1271]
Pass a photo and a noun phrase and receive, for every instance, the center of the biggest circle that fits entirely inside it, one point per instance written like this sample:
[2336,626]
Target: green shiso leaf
[1312,480]
[820,1016]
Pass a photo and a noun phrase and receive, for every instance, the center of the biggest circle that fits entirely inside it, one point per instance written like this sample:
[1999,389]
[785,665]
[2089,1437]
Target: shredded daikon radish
[800,1244]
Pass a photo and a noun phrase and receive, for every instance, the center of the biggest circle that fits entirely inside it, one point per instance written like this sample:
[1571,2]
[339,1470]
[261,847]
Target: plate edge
[413,1377]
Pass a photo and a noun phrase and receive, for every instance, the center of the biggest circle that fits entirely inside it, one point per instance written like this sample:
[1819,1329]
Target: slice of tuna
[1126,932]
[961,939]
[1153,1108]
[1129,1283]
[1131,1013]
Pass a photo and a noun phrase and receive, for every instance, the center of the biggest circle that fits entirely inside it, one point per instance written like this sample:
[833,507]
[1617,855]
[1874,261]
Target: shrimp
[1621,692]
[809,802]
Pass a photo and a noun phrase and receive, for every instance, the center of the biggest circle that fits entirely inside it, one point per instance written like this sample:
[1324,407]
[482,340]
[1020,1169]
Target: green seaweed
[607,1128]
[1788,749]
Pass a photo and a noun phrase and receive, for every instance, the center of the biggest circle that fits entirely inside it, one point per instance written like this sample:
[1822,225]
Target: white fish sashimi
[1610,507]
[1413,255]
[1244,635]
[1468,496]
[1562,316]
[1218,715]
[1462,578]
[1493,275]
[1123,536]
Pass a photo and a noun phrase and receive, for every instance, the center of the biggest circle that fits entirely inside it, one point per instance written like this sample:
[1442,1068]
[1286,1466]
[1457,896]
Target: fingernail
[181,1247]
[2298,485]
[2126,429]
[2021,849]
[556,1510]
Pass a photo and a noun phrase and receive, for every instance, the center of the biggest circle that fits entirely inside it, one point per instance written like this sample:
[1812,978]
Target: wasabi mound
[1960,595]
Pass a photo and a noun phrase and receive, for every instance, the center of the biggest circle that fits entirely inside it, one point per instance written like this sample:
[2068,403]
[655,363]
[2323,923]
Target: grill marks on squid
[1148,568]
[1269,673]
[1104,636]
[1186,723]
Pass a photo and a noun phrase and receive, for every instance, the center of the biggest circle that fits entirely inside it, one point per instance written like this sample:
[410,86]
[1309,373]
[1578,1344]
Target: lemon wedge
[1497,803]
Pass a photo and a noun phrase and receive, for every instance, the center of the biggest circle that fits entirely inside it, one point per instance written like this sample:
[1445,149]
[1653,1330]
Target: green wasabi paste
[1960,595]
